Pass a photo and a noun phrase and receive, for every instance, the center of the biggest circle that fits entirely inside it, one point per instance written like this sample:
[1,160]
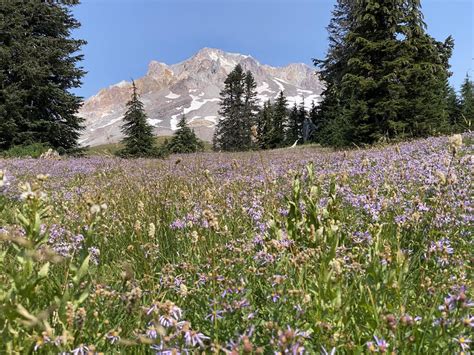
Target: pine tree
[385,76]
[292,134]
[38,67]
[185,140]
[279,121]
[139,140]
[370,87]
[424,75]
[302,115]
[316,120]
[250,110]
[453,107]
[332,68]
[238,112]
[265,125]
[467,102]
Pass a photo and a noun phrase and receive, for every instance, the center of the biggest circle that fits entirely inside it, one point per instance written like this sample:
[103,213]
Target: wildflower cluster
[288,252]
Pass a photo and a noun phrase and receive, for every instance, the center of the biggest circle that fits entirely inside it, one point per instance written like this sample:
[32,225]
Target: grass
[112,148]
[289,251]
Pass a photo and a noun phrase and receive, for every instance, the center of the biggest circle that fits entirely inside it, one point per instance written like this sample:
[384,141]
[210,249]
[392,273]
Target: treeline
[386,79]
[246,123]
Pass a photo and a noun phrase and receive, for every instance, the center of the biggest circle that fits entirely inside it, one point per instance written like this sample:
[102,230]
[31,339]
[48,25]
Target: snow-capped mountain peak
[192,88]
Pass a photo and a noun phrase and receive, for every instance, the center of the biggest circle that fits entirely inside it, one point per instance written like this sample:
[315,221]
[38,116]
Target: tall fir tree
[38,67]
[292,132]
[453,107]
[424,76]
[238,112]
[139,140]
[302,116]
[265,125]
[385,76]
[467,103]
[316,120]
[279,121]
[332,68]
[184,140]
[250,110]
[370,90]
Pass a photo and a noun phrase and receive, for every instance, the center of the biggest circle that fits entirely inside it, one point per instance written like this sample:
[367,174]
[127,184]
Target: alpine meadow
[220,205]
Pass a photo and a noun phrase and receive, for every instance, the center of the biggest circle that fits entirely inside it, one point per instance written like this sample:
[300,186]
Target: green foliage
[467,102]
[32,150]
[385,76]
[238,111]
[280,117]
[265,128]
[38,69]
[139,140]
[184,140]
[294,127]
[33,306]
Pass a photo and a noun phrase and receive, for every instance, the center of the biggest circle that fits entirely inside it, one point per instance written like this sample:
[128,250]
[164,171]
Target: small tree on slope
[139,139]
[185,140]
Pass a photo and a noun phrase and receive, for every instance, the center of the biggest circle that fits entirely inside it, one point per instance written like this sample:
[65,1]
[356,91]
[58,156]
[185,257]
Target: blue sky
[125,35]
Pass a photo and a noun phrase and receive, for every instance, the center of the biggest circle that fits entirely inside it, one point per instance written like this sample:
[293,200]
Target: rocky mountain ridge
[192,88]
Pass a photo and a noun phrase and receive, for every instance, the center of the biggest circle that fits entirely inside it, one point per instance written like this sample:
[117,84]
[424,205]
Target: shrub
[32,150]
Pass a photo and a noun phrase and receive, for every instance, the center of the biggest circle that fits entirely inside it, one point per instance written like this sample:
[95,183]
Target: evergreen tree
[316,120]
[185,140]
[38,67]
[424,75]
[279,121]
[385,77]
[238,112]
[302,115]
[453,107]
[250,110]
[333,67]
[292,135]
[467,102]
[370,87]
[265,126]
[139,140]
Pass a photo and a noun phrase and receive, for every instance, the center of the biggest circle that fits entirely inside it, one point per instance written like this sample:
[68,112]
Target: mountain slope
[192,88]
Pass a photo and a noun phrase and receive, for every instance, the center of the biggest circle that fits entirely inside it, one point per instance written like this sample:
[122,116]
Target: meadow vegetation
[289,251]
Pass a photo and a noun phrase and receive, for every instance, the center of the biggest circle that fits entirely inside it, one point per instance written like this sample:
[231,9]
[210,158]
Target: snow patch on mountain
[172,96]
[281,87]
[154,121]
[196,104]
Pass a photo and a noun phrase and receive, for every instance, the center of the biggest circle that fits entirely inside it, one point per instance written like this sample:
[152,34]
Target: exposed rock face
[191,88]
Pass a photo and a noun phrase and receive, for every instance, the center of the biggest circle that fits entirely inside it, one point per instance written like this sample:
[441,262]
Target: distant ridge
[191,87]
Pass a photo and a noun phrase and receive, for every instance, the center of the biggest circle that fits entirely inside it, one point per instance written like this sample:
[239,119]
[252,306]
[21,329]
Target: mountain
[192,88]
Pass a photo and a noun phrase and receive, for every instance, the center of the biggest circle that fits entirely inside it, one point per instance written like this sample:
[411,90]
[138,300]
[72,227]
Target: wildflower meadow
[290,251]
